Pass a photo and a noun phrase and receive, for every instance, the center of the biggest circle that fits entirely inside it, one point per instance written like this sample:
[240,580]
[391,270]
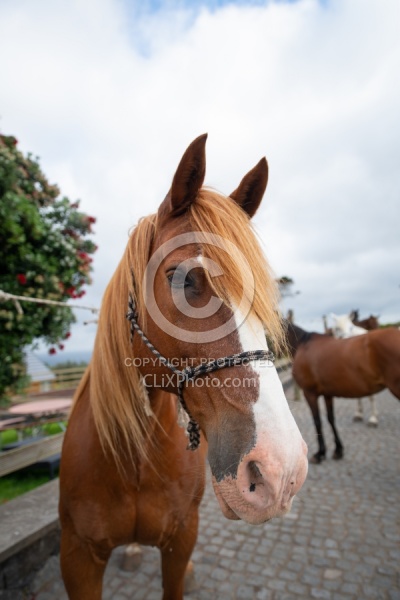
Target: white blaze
[275,424]
[274,469]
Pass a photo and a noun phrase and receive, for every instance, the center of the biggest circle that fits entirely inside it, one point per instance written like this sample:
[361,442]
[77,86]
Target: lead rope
[190,373]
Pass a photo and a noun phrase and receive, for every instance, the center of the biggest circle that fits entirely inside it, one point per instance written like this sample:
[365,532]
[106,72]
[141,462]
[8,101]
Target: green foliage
[44,253]
[54,428]
[19,483]
[385,325]
[8,436]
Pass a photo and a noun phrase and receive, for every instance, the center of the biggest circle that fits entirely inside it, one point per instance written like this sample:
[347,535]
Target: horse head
[205,292]
[255,450]
[344,327]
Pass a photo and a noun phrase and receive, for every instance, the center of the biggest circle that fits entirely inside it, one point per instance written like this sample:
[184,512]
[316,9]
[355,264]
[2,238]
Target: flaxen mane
[116,391]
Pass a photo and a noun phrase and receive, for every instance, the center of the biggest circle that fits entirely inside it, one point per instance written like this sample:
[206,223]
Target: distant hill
[62,357]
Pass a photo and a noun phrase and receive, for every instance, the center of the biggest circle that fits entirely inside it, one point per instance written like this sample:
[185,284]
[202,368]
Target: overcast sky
[109,93]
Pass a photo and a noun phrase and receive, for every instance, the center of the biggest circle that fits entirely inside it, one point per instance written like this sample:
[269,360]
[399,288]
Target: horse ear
[187,180]
[252,187]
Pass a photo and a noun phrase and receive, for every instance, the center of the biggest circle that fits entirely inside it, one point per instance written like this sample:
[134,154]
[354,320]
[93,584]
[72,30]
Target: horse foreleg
[358,415]
[393,384]
[312,401]
[190,580]
[82,567]
[175,557]
[339,450]
[373,420]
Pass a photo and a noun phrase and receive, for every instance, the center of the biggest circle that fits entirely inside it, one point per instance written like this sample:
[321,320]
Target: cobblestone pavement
[340,541]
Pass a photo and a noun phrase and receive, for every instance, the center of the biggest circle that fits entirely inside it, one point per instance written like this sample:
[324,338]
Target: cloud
[109,96]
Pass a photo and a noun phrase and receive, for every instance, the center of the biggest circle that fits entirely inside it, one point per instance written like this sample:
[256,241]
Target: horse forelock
[218,215]
[116,392]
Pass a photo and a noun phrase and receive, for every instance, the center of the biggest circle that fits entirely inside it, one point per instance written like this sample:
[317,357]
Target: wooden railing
[64,379]
[29,454]
[68,378]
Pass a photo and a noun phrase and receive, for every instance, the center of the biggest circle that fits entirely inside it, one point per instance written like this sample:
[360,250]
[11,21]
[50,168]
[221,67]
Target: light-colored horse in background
[344,327]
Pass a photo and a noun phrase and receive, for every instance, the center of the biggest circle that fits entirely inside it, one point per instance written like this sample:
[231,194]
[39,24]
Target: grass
[18,483]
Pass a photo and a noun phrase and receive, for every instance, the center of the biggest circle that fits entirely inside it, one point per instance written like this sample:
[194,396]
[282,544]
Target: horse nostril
[252,487]
[254,471]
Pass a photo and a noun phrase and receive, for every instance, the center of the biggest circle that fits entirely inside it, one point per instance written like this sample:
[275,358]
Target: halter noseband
[184,375]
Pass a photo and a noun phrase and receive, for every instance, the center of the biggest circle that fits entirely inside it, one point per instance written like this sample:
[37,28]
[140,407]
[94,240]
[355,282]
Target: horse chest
[165,503]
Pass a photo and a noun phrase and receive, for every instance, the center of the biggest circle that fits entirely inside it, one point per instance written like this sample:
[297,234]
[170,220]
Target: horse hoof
[337,455]
[372,423]
[357,419]
[131,558]
[317,459]
[190,580]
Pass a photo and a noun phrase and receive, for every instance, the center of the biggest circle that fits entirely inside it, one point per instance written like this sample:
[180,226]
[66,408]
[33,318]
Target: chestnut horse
[345,327]
[192,274]
[349,368]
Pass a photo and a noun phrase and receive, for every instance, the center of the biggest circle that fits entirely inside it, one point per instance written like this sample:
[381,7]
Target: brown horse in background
[369,323]
[166,322]
[349,326]
[348,368]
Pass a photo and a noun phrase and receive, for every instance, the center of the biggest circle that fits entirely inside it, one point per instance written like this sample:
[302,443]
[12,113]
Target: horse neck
[296,337]
[163,405]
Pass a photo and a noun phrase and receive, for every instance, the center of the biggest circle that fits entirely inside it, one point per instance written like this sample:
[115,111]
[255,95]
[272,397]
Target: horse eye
[180,279]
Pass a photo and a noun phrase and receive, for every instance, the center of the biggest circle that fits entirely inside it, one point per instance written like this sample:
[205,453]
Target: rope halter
[190,373]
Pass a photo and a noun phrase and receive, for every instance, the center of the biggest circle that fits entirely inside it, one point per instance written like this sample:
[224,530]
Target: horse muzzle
[262,489]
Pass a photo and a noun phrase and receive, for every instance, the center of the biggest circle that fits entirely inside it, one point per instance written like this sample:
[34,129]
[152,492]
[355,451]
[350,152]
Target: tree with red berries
[45,253]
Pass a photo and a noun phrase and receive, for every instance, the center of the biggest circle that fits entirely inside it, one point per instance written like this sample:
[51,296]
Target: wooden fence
[29,454]
[64,379]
